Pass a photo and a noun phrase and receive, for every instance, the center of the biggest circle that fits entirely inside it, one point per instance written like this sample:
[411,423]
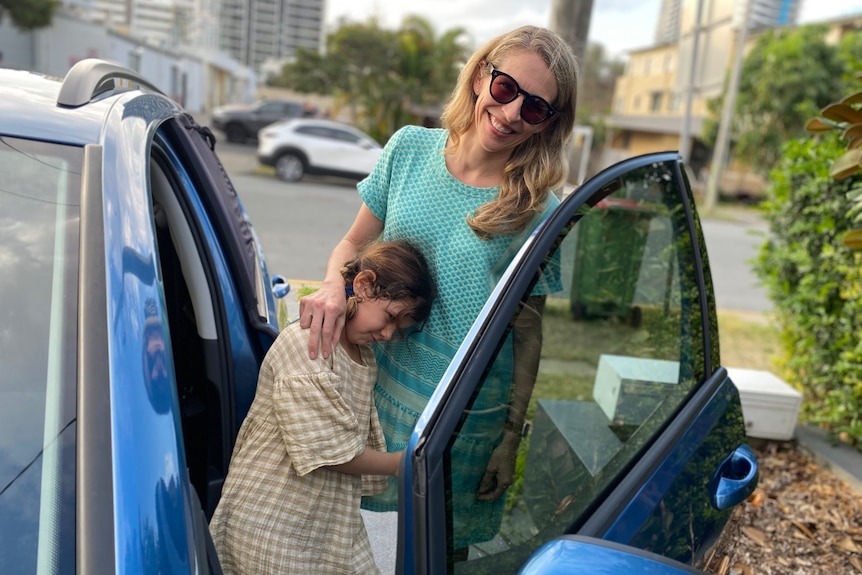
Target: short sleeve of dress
[374,189]
[317,426]
[550,278]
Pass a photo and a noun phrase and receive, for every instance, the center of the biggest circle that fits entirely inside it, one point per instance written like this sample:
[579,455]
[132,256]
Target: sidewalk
[843,460]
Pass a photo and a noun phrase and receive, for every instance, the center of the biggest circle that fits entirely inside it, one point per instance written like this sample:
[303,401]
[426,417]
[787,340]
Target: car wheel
[235,133]
[289,167]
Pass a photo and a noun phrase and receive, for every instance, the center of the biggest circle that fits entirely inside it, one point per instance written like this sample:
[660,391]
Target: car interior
[198,354]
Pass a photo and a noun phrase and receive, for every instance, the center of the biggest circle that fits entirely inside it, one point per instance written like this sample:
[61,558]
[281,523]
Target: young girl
[290,503]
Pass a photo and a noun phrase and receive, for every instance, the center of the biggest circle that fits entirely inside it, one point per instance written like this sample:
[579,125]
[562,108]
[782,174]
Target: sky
[619,25]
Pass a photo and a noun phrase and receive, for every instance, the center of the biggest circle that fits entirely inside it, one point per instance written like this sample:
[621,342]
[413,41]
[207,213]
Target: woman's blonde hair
[537,165]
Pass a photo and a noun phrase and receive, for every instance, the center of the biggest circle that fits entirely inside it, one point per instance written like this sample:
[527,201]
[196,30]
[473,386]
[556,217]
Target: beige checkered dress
[281,512]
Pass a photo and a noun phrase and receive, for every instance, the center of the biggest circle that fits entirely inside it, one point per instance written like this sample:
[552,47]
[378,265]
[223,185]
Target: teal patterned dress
[416,197]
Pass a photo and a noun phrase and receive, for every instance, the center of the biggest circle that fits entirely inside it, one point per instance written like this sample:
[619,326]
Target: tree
[388,78]
[598,77]
[787,76]
[28,14]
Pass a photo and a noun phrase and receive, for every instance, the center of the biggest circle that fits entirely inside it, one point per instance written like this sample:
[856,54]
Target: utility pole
[685,134]
[722,140]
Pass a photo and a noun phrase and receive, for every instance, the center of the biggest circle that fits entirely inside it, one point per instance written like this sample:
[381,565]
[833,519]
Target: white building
[197,78]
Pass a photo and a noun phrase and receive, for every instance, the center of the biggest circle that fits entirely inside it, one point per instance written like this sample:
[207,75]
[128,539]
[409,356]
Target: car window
[40,213]
[609,338]
[269,108]
[316,131]
[345,136]
[280,108]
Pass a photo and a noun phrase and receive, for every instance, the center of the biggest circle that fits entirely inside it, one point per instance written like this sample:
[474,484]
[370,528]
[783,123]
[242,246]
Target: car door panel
[680,475]
[630,413]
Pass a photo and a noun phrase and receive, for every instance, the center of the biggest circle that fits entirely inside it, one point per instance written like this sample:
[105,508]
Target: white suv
[321,147]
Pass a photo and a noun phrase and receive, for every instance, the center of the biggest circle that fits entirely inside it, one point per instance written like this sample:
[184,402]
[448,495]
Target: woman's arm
[527,351]
[371,462]
[323,311]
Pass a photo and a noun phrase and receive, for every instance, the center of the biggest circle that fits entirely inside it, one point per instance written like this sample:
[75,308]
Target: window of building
[655,102]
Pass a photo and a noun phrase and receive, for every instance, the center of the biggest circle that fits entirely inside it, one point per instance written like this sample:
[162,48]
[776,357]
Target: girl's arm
[371,462]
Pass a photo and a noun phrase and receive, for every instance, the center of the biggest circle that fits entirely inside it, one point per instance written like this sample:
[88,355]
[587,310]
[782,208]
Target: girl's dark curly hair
[401,272]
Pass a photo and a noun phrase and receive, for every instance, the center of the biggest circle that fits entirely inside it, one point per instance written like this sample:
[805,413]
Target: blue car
[137,308]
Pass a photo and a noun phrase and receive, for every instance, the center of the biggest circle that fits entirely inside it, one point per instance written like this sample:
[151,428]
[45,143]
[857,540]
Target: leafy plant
[815,283]
[845,116]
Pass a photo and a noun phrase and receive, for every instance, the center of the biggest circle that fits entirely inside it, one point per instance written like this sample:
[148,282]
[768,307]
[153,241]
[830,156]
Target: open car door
[633,433]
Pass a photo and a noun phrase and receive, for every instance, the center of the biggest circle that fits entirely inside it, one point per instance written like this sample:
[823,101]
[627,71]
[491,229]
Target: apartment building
[663,82]
[250,31]
[162,23]
[254,31]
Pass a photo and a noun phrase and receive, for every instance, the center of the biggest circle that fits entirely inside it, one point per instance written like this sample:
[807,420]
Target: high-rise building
[763,14]
[250,31]
[253,31]
[667,29]
[768,13]
[158,22]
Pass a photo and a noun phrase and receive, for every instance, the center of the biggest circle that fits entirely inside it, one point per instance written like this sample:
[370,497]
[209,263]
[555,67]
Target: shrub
[815,283]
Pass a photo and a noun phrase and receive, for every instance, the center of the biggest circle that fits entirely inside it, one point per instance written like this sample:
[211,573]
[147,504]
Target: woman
[467,195]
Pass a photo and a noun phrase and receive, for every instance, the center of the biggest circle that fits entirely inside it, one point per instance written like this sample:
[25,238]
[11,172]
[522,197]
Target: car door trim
[94,476]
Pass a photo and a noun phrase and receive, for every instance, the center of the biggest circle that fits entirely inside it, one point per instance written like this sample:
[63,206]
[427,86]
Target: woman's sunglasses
[504,89]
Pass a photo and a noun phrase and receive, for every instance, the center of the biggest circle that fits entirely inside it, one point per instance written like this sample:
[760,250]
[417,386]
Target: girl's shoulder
[290,351]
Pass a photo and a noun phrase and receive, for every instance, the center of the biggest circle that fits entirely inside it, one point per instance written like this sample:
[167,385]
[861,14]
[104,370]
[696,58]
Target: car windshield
[39,220]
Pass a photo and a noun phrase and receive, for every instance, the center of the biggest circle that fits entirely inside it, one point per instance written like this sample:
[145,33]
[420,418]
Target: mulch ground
[801,520]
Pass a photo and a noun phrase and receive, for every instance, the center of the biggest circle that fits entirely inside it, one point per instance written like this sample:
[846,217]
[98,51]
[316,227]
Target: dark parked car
[242,122]
[137,308]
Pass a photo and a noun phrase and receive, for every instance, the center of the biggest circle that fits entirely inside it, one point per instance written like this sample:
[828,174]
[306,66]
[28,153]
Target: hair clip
[348,291]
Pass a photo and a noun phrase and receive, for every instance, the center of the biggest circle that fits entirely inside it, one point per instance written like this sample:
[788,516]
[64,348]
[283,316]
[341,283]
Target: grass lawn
[748,340]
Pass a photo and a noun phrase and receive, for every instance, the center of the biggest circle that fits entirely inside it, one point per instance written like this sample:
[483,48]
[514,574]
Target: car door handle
[280,286]
[735,479]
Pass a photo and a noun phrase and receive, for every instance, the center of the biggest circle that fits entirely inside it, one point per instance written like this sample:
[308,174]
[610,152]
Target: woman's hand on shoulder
[323,313]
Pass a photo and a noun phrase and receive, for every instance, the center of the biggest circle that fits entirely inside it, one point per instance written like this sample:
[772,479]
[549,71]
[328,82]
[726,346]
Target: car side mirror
[577,554]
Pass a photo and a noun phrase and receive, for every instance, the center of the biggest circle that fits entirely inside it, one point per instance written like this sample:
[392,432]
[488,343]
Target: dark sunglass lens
[503,89]
[534,110]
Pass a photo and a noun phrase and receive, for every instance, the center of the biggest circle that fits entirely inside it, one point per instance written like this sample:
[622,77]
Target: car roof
[71,110]
[28,108]
[323,123]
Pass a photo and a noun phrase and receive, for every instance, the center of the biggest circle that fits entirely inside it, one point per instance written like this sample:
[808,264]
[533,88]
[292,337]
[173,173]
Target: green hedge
[815,284]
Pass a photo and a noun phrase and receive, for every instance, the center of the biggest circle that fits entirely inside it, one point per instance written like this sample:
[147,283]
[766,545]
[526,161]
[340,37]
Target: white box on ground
[628,389]
[769,405]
